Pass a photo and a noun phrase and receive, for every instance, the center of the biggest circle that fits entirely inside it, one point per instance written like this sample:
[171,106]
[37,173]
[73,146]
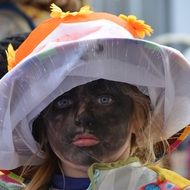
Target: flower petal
[138,28]
[56,12]
[10,52]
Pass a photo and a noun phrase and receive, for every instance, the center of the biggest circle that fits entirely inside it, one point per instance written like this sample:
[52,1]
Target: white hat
[75,48]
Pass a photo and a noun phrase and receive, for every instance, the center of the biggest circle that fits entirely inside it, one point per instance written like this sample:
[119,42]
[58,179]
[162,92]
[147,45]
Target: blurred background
[168,18]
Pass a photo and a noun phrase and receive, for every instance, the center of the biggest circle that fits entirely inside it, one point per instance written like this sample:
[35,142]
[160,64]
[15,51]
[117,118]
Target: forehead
[99,86]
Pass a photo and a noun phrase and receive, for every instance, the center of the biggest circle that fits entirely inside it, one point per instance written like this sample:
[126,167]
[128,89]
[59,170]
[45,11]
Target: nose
[83,118]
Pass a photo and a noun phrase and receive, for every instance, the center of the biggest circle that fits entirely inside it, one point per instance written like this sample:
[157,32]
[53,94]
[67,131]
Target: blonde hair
[148,142]
[43,173]
[147,128]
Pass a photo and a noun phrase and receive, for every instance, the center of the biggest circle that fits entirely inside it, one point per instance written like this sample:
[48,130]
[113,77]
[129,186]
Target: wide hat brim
[160,72]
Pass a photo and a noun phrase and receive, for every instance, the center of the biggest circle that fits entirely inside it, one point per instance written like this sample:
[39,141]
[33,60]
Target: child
[90,106]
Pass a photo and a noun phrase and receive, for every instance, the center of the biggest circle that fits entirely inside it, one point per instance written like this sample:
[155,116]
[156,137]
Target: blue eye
[63,103]
[105,100]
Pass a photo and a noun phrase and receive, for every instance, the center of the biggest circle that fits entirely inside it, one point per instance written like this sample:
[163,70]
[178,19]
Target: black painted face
[90,122]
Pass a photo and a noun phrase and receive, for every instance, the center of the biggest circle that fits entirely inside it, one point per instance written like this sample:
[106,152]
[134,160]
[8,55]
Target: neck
[72,170]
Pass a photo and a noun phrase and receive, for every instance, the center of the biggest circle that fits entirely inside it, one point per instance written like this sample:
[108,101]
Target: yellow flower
[10,52]
[138,28]
[85,10]
[56,11]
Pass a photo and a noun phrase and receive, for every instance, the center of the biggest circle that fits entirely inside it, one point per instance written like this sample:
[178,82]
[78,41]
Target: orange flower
[138,28]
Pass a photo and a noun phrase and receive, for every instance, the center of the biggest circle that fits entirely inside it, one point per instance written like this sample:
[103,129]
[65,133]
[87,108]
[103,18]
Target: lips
[85,140]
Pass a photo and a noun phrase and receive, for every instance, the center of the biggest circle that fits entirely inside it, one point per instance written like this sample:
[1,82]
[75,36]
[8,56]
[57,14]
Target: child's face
[89,123]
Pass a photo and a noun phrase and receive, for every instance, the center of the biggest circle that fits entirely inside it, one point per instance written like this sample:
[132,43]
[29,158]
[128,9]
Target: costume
[80,47]
[128,175]
[131,175]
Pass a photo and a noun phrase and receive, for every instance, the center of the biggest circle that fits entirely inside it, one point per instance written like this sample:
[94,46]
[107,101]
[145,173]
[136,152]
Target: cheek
[114,120]
[113,125]
[58,126]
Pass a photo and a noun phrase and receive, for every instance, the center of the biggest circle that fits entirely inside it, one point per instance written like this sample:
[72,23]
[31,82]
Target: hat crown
[133,28]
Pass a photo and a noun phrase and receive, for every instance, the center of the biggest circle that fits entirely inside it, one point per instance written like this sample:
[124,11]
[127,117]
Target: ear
[133,144]
[137,123]
[138,132]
